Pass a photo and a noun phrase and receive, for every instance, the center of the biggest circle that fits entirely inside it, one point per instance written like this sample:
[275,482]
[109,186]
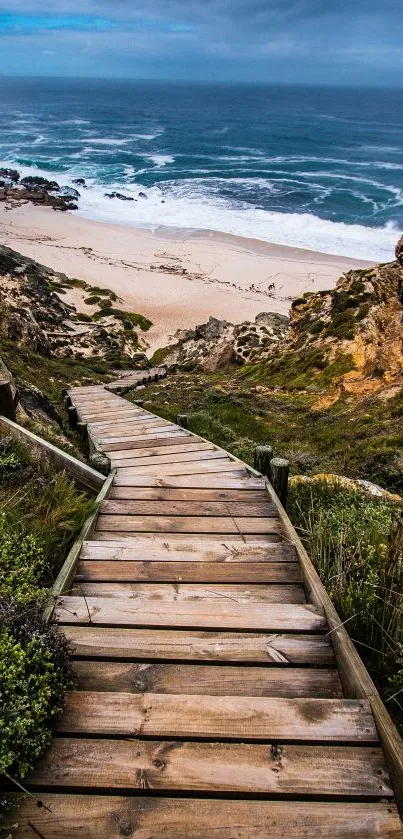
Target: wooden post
[262,457]
[81,429]
[100,462]
[8,393]
[182,420]
[279,471]
[72,416]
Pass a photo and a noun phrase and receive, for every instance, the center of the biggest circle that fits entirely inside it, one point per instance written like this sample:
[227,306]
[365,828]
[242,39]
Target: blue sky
[309,41]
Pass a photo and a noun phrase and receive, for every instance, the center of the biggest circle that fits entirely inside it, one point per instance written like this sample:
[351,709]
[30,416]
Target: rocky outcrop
[34,314]
[362,318]
[219,344]
[35,189]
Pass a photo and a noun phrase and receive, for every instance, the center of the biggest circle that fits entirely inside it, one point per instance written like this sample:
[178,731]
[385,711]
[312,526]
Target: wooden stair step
[169,644]
[189,524]
[219,465]
[189,494]
[213,614]
[151,437]
[218,767]
[244,509]
[182,447]
[160,549]
[111,817]
[187,456]
[189,482]
[214,680]
[203,595]
[230,717]
[131,538]
[192,571]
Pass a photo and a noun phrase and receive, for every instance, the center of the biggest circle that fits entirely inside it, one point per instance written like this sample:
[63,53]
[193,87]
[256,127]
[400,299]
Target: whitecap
[187,205]
[147,136]
[161,159]
[104,141]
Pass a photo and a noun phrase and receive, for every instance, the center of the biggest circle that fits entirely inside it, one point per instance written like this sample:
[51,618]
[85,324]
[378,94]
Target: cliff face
[345,341]
[361,319]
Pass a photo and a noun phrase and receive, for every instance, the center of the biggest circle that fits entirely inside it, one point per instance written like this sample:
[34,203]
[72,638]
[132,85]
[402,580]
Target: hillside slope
[328,394]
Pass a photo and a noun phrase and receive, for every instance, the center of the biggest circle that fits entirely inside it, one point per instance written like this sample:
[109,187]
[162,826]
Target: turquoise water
[320,168]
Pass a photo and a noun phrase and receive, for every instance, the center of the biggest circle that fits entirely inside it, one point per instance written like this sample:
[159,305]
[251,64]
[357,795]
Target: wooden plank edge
[355,679]
[66,574]
[84,476]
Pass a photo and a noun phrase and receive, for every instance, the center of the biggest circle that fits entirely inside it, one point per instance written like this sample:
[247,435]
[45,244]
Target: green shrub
[342,325]
[22,564]
[92,300]
[35,673]
[106,310]
[41,514]
[317,327]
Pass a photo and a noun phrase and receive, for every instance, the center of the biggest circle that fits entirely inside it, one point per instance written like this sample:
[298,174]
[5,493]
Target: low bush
[356,544]
[41,513]
[35,673]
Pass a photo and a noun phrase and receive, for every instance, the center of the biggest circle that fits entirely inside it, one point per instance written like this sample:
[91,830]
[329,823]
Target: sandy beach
[176,278]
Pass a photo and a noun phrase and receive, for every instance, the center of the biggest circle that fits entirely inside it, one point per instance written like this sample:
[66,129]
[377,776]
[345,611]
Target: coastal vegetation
[360,438]
[356,545]
[41,512]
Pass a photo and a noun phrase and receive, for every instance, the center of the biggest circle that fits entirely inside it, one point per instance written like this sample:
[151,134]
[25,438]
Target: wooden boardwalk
[209,698]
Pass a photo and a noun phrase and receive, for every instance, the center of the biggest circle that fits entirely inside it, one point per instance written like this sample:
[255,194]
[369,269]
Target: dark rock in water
[142,195]
[38,406]
[118,195]
[11,175]
[79,181]
[69,192]
[37,182]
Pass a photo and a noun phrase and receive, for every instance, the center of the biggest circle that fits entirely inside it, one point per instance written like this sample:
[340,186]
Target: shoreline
[176,277]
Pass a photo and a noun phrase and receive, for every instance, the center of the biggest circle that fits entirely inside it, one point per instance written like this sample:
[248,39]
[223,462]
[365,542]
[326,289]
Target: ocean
[318,168]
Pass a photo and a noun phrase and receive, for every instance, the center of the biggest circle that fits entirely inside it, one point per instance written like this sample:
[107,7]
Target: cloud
[301,40]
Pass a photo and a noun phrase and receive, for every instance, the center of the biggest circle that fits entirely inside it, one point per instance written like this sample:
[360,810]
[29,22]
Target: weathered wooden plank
[152,437]
[214,680]
[131,538]
[144,463]
[110,435]
[233,717]
[169,644]
[221,613]
[219,463]
[189,524]
[204,594]
[179,447]
[210,550]
[103,414]
[179,571]
[188,508]
[126,424]
[215,482]
[189,494]
[111,817]
[220,767]
[85,477]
